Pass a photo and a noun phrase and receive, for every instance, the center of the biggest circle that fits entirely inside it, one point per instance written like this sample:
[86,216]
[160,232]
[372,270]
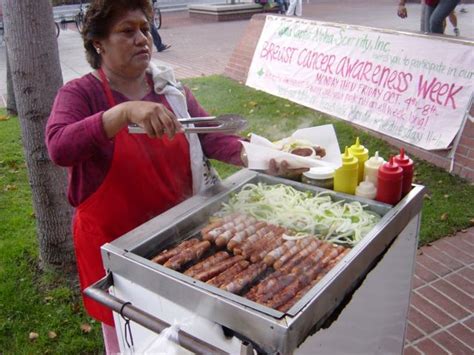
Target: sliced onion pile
[304,213]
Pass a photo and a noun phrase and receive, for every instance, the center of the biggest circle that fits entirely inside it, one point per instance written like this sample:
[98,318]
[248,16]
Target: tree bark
[11,102]
[36,72]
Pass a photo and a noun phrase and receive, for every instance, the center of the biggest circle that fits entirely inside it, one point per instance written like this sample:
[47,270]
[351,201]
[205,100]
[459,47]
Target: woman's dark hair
[99,18]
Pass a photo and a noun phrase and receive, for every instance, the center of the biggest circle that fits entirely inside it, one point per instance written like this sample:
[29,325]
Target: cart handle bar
[98,292]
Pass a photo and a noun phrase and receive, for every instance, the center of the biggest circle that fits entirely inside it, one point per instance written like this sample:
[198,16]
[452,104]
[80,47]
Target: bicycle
[156,15]
[79,18]
[60,24]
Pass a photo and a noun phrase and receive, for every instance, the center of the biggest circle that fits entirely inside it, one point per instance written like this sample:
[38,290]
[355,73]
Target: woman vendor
[118,180]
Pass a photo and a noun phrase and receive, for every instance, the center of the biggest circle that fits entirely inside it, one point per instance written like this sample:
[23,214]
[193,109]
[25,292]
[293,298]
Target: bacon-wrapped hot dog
[263,249]
[244,278]
[239,237]
[272,288]
[228,275]
[247,243]
[166,254]
[285,307]
[216,269]
[192,253]
[300,244]
[298,257]
[214,233]
[207,263]
[312,259]
[273,255]
[223,238]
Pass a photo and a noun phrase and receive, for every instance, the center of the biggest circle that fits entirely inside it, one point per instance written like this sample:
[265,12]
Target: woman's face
[127,49]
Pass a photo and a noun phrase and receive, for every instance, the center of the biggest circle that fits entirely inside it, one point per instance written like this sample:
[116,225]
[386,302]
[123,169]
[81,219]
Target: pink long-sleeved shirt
[76,139]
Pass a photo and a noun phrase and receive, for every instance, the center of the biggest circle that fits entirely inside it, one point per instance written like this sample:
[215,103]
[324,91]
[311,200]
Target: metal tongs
[212,124]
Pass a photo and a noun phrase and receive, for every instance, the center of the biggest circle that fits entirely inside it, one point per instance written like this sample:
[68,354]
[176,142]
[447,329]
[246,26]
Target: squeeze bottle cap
[375,161]
[358,148]
[366,188]
[402,159]
[348,158]
[390,168]
[320,173]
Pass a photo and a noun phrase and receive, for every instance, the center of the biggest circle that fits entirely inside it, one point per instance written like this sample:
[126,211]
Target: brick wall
[238,66]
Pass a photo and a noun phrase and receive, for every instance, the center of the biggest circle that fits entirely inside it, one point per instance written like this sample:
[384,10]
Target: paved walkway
[441,317]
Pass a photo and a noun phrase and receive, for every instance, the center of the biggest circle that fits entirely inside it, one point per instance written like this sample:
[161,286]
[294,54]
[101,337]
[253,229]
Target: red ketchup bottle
[406,164]
[389,181]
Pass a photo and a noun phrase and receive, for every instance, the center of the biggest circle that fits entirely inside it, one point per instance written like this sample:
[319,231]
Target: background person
[434,12]
[117,181]
[282,6]
[295,8]
[453,19]
[160,46]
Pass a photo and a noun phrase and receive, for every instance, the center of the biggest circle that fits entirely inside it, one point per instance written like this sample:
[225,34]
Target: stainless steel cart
[360,306]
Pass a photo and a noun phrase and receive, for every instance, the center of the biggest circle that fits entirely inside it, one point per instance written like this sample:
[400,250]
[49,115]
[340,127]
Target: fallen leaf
[52,335]
[444,216]
[33,336]
[427,197]
[253,103]
[463,230]
[4,117]
[86,328]
[48,299]
[446,196]
[471,221]
[10,187]
[195,88]
[251,111]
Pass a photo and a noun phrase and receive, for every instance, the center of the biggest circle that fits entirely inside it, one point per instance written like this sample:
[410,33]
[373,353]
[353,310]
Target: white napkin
[260,150]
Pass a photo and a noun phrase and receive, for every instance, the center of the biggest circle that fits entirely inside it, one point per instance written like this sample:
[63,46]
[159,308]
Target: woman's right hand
[402,11]
[153,117]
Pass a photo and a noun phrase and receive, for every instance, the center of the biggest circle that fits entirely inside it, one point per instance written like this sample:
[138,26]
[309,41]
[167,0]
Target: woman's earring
[98,50]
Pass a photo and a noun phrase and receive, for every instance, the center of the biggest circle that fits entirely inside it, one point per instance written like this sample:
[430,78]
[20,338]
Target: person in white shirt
[295,8]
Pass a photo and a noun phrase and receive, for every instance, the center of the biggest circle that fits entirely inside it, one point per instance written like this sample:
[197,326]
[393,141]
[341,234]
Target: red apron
[146,177]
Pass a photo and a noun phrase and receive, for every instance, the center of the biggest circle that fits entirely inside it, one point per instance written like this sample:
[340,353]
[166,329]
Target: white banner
[414,88]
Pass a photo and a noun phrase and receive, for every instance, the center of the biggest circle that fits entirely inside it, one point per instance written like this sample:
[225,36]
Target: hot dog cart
[359,306]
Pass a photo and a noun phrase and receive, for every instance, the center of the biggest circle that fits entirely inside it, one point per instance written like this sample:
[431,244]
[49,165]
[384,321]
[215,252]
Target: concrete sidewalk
[441,317]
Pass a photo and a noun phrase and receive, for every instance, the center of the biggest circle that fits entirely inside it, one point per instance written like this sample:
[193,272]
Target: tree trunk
[11,102]
[36,72]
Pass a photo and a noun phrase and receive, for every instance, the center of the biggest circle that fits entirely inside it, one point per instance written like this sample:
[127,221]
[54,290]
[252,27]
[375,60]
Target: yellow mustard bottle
[361,153]
[345,178]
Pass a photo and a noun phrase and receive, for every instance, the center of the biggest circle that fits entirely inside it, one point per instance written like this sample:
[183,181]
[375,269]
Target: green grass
[32,301]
